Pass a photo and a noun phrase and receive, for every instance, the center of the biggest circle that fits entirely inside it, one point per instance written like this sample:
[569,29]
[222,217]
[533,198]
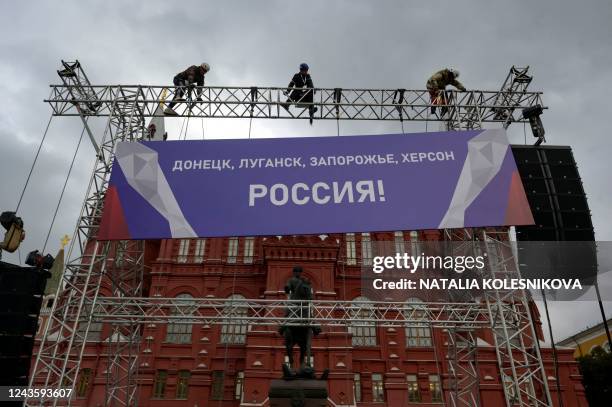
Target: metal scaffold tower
[61,349]
[523,376]
[103,281]
[516,343]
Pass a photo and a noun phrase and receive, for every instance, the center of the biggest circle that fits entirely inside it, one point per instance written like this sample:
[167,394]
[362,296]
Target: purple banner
[180,189]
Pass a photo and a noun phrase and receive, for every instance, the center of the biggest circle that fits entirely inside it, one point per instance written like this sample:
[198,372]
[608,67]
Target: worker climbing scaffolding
[436,85]
[185,82]
[300,96]
[300,90]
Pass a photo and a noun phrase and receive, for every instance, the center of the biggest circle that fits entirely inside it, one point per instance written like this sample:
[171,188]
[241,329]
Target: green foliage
[596,369]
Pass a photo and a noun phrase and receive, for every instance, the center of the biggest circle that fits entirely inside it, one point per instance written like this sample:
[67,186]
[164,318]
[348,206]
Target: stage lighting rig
[533,114]
[14,231]
[36,259]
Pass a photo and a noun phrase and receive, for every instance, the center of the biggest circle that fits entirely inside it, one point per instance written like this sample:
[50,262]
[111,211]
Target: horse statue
[300,331]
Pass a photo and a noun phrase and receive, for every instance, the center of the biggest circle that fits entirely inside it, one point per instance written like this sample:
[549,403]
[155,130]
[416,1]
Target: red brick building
[232,364]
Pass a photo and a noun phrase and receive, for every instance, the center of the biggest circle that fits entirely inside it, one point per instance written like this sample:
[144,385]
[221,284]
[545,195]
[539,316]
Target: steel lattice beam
[465,108]
[121,310]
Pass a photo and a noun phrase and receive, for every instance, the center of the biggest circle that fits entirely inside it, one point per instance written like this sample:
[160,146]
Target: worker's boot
[170,111]
[311,111]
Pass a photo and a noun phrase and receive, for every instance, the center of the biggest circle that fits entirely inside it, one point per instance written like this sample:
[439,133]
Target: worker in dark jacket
[438,82]
[192,76]
[301,85]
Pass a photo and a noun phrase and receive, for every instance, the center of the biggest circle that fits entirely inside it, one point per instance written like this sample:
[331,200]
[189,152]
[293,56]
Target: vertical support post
[254,95]
[337,99]
[520,363]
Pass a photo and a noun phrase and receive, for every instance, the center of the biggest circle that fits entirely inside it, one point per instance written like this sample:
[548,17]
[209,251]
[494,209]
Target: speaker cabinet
[555,194]
[21,292]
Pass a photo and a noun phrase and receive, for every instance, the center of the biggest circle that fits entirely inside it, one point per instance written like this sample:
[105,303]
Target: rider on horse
[299,289]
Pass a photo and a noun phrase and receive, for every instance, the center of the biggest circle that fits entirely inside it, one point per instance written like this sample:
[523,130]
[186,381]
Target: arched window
[398,242]
[249,245]
[351,253]
[417,335]
[84,382]
[232,249]
[200,248]
[180,332]
[364,332]
[415,245]
[234,328]
[435,389]
[378,387]
[366,249]
[183,251]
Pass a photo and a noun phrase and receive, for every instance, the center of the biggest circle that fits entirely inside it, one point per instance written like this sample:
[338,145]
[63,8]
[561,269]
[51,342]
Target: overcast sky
[366,44]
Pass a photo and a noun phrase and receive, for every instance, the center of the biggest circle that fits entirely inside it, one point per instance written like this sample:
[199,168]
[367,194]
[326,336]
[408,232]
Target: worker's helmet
[205,66]
[454,72]
[304,66]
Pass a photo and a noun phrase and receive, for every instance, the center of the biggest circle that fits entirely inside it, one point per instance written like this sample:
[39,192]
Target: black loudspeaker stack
[21,292]
[555,194]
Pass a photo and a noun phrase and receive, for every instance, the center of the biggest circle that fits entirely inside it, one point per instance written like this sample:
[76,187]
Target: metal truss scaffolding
[63,342]
[466,110]
[464,381]
[521,368]
[103,281]
[156,310]
[518,351]
[463,378]
[518,354]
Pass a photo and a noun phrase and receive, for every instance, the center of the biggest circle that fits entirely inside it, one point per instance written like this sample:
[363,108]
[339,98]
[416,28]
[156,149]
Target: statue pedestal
[298,393]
